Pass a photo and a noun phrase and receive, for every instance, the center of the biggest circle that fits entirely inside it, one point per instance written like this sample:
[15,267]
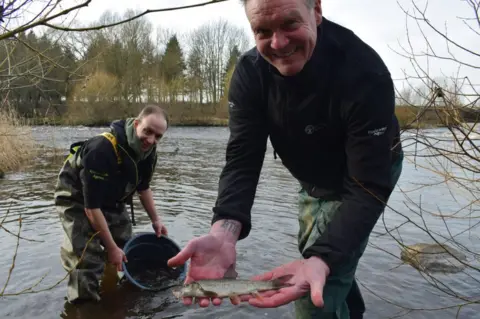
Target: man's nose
[279,41]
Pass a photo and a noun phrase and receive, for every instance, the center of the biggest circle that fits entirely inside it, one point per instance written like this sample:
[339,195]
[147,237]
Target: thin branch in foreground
[30,290]
[45,21]
[10,271]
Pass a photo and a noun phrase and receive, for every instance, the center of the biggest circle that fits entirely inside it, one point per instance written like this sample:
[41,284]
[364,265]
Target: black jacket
[94,177]
[332,123]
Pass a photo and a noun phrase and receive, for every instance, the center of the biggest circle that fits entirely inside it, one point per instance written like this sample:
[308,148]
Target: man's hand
[212,256]
[309,275]
[116,256]
[146,198]
[159,228]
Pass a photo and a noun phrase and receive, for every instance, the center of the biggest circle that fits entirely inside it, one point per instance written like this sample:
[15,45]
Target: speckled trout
[223,288]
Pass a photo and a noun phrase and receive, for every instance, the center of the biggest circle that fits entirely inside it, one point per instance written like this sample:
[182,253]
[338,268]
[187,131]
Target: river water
[185,185]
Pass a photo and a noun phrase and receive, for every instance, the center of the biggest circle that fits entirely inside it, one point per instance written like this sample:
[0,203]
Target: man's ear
[135,123]
[318,11]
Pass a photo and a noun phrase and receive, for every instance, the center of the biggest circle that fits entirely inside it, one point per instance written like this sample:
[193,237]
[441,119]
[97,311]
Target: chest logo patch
[310,129]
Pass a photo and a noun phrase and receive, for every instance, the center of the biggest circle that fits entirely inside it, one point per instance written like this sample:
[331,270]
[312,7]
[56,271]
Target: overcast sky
[380,23]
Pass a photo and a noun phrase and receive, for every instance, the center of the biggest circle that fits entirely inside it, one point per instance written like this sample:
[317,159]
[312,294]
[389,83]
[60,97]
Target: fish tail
[177,293]
[281,281]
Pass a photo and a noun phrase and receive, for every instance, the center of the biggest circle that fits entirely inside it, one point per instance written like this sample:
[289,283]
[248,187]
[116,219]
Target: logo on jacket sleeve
[378,131]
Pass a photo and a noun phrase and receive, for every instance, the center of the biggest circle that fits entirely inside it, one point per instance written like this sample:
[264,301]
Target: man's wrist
[153,216]
[228,229]
[110,245]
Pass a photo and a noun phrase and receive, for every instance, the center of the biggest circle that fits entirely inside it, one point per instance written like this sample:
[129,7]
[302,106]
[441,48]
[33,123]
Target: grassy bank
[16,143]
[414,117]
[188,114]
[186,121]
[103,113]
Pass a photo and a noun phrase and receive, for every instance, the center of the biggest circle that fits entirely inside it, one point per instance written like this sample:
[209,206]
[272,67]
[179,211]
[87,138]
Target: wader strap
[133,215]
[129,200]
[74,147]
[113,140]
[109,136]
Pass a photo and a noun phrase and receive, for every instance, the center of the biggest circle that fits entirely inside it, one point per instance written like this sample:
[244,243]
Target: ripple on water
[185,189]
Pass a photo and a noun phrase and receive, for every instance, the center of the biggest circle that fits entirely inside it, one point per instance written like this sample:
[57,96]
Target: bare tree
[213,42]
[52,14]
[450,158]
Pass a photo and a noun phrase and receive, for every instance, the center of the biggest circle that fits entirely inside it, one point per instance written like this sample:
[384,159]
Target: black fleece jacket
[333,126]
[105,182]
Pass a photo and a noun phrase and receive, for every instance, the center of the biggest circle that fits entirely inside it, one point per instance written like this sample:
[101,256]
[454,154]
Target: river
[185,186]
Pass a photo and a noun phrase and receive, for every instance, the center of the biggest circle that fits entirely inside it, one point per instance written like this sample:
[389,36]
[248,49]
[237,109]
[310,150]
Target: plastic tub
[146,265]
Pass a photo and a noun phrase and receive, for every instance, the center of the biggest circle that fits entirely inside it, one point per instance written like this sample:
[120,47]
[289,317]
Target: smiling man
[326,100]
[98,178]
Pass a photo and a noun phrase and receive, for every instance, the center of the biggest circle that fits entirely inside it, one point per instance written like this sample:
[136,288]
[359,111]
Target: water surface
[185,188]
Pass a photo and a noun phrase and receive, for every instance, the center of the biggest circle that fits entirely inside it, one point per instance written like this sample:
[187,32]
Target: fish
[231,288]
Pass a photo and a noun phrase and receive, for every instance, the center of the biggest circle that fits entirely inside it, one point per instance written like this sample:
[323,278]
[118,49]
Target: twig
[14,256]
[30,289]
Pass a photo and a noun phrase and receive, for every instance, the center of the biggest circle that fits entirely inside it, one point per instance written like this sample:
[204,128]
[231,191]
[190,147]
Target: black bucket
[147,267]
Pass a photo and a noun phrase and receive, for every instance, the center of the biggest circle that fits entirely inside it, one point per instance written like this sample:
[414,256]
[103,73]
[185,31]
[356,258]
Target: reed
[16,143]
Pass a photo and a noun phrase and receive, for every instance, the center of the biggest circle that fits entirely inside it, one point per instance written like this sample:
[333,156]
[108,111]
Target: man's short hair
[310,3]
[152,109]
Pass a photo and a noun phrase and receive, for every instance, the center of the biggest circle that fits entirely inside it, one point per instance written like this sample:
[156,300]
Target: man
[326,100]
[97,179]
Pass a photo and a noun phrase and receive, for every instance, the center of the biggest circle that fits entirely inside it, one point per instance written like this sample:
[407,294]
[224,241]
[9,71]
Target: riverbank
[58,121]
[16,143]
[214,122]
[216,116]
[95,114]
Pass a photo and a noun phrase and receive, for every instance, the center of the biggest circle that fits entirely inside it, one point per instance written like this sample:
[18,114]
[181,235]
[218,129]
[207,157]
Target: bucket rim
[126,249]
[147,234]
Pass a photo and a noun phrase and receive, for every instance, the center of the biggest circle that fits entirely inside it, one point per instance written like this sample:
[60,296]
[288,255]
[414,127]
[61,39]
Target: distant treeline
[94,77]
[80,77]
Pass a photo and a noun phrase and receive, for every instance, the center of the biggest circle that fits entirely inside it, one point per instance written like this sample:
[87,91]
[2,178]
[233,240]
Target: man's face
[285,31]
[150,130]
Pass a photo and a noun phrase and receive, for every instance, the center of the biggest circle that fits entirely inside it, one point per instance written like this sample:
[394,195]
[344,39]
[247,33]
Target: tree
[451,162]
[230,65]
[196,78]
[214,41]
[49,12]
[173,66]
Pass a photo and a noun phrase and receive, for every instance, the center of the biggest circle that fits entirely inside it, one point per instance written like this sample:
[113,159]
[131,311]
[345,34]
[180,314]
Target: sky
[380,23]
